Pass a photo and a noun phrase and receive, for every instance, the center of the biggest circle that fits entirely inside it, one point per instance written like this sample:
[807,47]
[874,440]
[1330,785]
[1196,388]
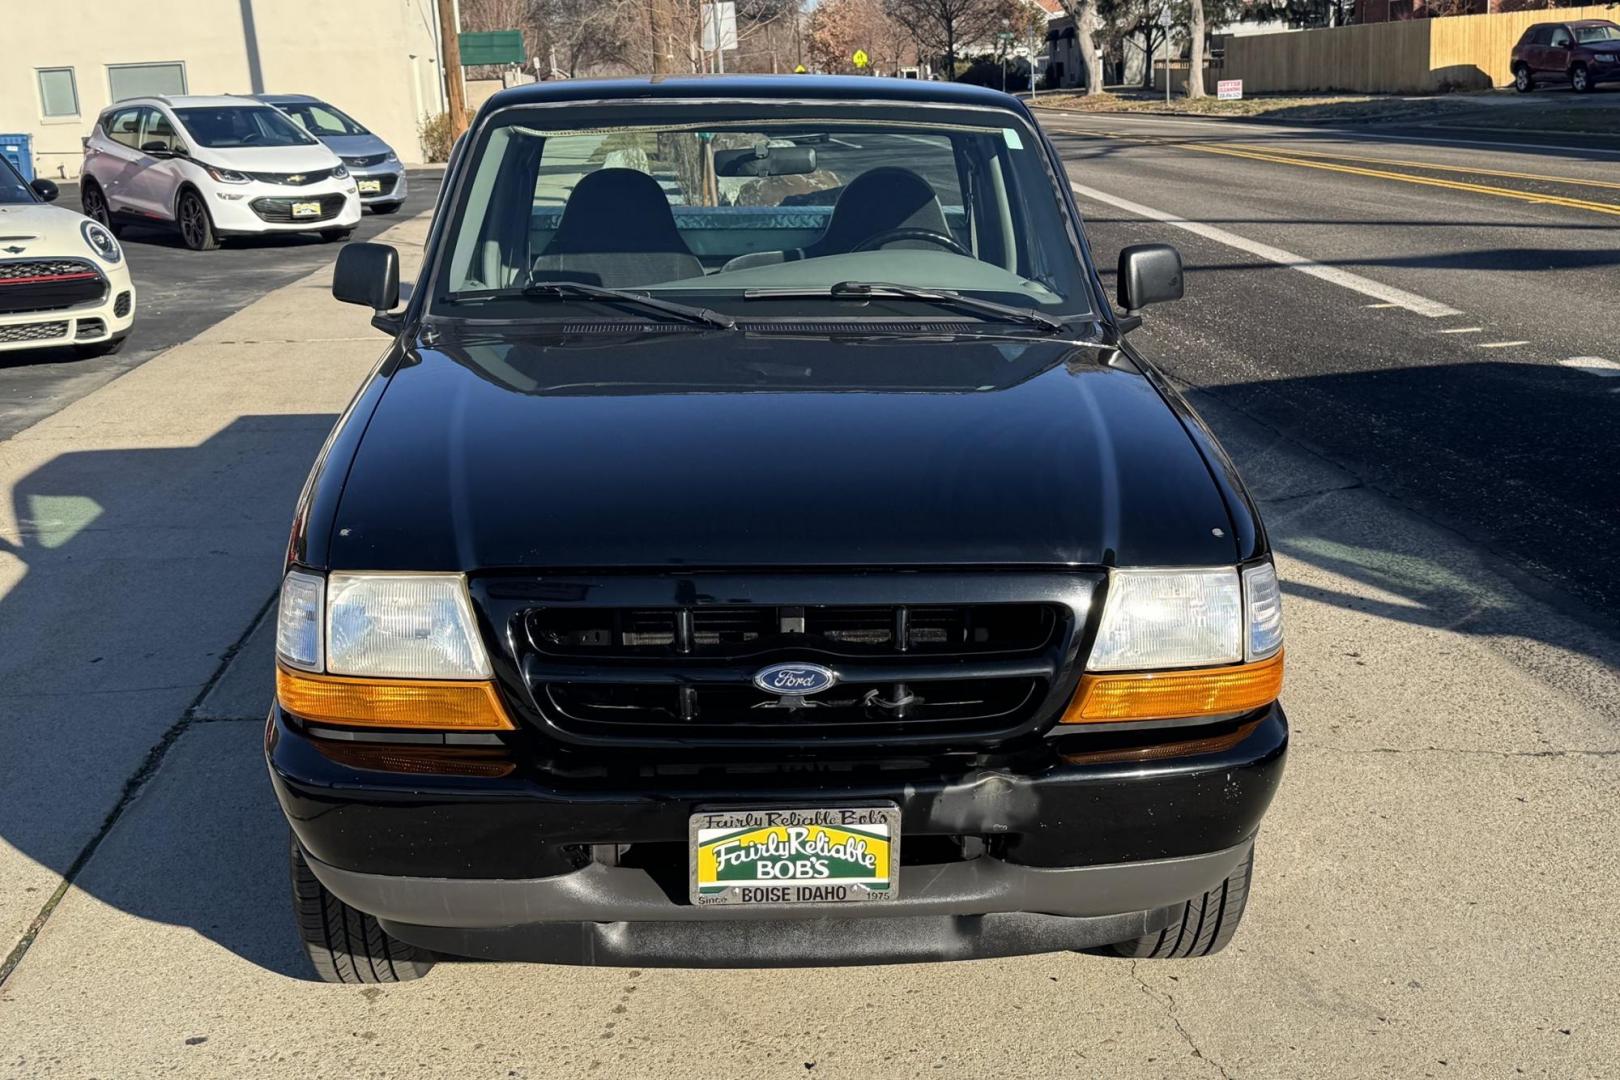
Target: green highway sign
[492,47]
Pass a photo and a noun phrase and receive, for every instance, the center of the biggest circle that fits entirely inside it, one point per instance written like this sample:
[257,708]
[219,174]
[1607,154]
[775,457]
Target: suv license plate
[826,855]
[371,187]
[306,209]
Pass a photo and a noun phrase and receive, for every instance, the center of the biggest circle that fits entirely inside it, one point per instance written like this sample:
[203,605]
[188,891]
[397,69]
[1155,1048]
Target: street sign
[721,19]
[1165,18]
[1229,89]
[492,47]
[860,58]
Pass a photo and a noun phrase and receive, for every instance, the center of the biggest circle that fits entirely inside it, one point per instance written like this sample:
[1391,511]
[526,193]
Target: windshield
[231,126]
[1589,34]
[749,209]
[12,188]
[318,118]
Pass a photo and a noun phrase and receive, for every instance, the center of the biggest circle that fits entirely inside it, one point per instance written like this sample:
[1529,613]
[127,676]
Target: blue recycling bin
[19,150]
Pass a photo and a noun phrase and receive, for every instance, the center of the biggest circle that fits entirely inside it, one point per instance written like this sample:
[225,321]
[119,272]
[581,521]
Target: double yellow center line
[1314,159]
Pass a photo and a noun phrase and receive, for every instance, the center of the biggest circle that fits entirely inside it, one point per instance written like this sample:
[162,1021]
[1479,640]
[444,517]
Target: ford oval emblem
[795,680]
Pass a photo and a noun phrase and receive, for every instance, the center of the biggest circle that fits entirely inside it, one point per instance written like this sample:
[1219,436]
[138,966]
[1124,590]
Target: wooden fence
[1418,56]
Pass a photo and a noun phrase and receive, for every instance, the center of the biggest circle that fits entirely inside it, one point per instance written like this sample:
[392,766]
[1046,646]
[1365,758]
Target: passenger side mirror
[157,148]
[1148,274]
[369,274]
[45,189]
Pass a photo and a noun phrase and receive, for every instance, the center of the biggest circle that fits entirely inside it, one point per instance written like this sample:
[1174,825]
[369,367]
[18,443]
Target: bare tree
[1084,14]
[944,26]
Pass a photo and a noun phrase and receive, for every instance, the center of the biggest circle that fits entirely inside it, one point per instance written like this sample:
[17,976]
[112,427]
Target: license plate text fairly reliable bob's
[828,855]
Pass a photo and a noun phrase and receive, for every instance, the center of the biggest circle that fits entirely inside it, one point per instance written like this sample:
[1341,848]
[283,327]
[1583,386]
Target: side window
[156,128]
[1560,38]
[145,80]
[58,92]
[124,126]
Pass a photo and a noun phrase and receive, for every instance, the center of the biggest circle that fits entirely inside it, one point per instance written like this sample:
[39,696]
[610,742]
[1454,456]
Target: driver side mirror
[1148,274]
[369,274]
[45,189]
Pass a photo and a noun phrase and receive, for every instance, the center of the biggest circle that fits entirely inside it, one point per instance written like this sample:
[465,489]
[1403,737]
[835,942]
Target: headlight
[416,626]
[226,176]
[1180,644]
[339,173]
[1169,619]
[391,156]
[384,651]
[101,241]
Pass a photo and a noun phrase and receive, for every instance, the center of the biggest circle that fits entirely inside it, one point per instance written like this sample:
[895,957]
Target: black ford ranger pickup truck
[759,545]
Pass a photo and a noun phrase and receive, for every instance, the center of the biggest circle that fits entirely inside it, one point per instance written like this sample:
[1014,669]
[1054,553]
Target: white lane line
[1380,305]
[1463,330]
[1593,365]
[1501,344]
[1343,278]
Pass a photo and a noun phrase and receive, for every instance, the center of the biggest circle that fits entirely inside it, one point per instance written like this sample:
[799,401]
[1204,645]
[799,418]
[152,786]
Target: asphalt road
[1439,318]
[179,293]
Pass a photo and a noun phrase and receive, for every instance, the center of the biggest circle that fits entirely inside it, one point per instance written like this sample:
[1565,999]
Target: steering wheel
[926,235]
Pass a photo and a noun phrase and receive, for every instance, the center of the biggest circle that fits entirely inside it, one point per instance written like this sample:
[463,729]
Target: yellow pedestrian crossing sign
[860,58]
[800,69]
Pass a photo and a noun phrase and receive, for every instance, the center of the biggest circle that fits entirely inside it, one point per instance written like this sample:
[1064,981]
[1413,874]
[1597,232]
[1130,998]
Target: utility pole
[450,46]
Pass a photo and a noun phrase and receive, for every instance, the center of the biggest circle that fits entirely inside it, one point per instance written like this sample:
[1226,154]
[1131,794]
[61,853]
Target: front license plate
[370,187]
[830,855]
[306,209]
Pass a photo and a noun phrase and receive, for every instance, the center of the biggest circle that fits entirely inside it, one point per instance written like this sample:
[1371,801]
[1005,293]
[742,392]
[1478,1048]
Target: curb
[1431,121]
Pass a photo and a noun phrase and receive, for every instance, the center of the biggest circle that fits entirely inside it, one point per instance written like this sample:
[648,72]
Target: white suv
[213,167]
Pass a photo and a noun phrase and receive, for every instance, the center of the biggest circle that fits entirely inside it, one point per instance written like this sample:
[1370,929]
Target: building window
[58,95]
[145,80]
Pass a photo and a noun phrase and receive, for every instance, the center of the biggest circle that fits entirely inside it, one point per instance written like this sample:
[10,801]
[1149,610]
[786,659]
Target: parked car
[213,167]
[63,277]
[810,573]
[376,169]
[1583,52]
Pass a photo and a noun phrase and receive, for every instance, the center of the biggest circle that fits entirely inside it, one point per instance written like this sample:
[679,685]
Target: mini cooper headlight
[101,241]
[1174,644]
[340,173]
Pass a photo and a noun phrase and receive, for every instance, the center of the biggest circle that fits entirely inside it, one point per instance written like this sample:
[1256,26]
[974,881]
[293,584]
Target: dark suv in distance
[759,545]
[1582,53]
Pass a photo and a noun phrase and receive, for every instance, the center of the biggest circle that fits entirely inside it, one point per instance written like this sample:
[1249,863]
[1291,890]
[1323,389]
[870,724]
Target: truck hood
[733,449]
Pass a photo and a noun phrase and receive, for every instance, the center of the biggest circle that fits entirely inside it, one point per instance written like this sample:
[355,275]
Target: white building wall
[374,59]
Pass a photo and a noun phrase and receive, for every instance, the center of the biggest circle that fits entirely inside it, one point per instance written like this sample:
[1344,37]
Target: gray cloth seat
[877,201]
[617,230]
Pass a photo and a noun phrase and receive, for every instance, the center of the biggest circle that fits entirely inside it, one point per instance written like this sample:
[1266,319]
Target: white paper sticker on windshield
[1013,141]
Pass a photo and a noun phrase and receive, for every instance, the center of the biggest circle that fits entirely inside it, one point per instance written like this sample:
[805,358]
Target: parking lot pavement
[180,293]
[1433,891]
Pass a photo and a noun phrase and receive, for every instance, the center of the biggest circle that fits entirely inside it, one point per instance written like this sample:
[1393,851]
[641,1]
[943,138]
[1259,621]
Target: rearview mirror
[1148,274]
[765,160]
[368,274]
[45,189]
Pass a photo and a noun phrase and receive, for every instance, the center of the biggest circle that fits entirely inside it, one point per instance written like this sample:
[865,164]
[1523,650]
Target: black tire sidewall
[209,238]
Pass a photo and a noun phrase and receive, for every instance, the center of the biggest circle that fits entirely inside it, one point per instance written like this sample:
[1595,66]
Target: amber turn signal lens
[438,705]
[1167,695]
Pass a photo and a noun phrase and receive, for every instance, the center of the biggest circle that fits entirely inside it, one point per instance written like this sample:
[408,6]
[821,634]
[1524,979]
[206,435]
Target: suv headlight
[1174,644]
[226,176]
[384,650]
[101,241]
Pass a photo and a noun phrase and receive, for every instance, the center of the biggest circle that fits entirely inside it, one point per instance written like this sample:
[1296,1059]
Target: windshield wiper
[578,290]
[862,290]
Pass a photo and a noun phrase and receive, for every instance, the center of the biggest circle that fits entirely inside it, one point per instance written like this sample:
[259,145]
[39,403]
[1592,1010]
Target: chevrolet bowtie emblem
[15,250]
[296,178]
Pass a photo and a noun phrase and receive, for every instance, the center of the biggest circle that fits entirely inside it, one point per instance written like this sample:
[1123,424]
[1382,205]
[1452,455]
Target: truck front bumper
[1046,848]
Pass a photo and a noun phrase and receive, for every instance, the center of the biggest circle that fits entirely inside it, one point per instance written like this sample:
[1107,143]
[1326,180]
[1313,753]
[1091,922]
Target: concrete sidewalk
[1433,891]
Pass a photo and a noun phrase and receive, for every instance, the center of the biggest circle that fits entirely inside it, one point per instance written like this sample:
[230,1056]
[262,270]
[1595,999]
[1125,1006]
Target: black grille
[90,328]
[385,184]
[302,179]
[739,632]
[121,305]
[365,162]
[48,285]
[278,209]
[40,331]
[659,675]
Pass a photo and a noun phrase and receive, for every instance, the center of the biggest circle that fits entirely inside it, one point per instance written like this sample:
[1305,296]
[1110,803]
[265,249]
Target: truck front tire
[346,945]
[1207,922]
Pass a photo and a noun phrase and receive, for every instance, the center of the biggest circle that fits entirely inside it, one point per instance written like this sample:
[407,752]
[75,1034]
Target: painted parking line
[1501,344]
[1593,365]
[1387,294]
[1463,330]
